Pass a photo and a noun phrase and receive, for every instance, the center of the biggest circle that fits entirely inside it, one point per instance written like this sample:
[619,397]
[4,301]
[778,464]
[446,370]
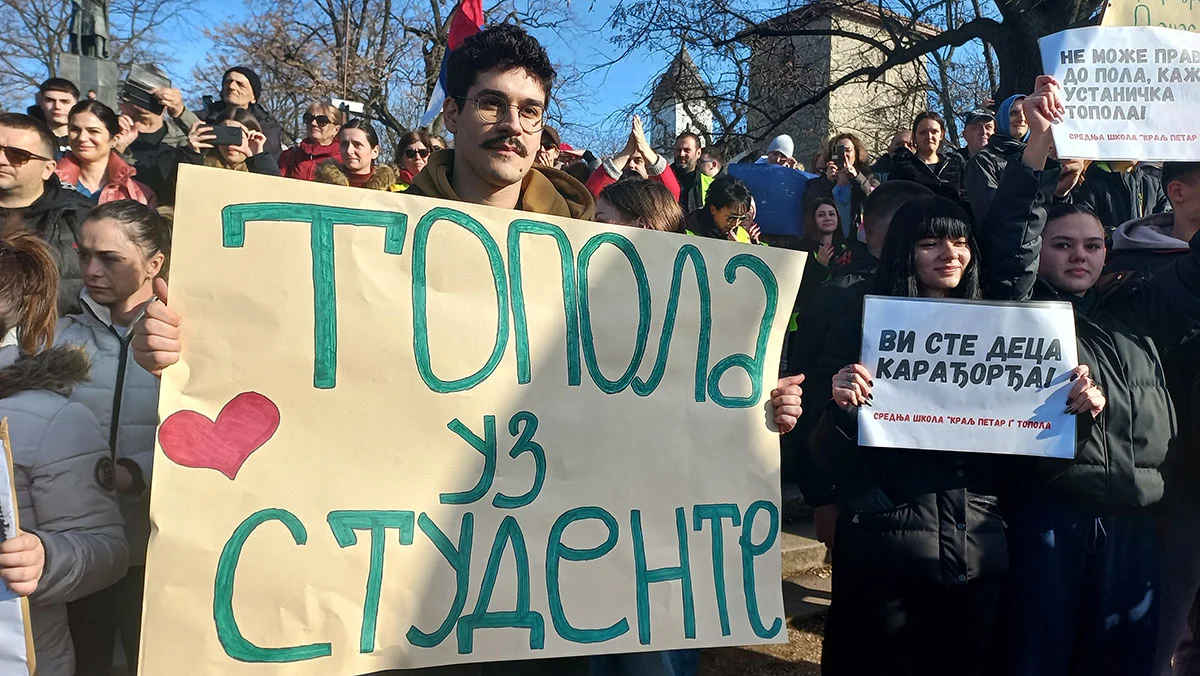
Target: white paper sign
[1130,93]
[14,657]
[969,376]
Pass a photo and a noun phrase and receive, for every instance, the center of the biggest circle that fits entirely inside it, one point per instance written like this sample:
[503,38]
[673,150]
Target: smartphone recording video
[227,136]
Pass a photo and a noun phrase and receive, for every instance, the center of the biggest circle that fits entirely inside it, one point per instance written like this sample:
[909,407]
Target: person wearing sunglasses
[412,154]
[31,193]
[322,123]
[728,213]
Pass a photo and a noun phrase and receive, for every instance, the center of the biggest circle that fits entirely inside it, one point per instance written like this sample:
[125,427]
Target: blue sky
[614,88]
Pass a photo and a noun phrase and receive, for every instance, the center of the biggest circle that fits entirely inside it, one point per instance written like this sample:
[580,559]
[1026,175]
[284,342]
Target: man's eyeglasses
[18,156]
[414,153]
[493,108]
[321,120]
[737,219]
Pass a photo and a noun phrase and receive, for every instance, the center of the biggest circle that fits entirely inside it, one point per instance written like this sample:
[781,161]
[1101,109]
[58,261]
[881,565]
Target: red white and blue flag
[466,21]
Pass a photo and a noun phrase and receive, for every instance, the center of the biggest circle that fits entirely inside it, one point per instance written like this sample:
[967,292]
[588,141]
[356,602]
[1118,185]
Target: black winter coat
[906,514]
[689,188]
[1182,366]
[1123,325]
[985,169]
[944,178]
[270,126]
[56,216]
[1117,197]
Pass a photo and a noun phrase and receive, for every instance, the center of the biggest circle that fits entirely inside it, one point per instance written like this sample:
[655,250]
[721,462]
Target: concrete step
[801,550]
[807,595]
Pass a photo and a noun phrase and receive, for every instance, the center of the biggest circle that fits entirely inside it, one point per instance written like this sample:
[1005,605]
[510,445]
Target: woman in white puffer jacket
[123,247]
[58,452]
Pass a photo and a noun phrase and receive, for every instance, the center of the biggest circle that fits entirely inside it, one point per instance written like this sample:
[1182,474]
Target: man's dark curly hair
[503,47]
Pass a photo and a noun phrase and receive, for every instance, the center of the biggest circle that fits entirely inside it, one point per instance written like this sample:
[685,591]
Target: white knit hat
[782,143]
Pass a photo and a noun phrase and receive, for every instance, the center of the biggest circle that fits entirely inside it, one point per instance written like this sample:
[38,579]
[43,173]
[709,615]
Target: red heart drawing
[247,422]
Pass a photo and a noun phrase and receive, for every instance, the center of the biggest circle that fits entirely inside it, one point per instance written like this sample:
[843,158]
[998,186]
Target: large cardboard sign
[1130,93]
[407,432]
[969,376]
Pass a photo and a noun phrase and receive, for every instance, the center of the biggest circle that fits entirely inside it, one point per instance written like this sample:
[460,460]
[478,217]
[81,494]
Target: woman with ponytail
[61,465]
[123,248]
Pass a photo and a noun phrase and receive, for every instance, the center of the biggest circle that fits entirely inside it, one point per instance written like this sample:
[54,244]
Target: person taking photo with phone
[235,141]
[846,180]
[242,88]
[160,125]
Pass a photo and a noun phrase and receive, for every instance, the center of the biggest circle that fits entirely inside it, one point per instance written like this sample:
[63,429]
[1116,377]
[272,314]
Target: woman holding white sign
[1083,592]
[920,551]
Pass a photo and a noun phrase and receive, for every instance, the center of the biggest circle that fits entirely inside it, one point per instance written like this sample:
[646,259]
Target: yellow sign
[1180,14]
[407,432]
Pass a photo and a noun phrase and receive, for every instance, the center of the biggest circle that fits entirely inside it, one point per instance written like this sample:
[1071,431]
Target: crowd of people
[943,562]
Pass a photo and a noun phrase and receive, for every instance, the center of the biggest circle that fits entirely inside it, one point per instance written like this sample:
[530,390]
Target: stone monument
[87,62]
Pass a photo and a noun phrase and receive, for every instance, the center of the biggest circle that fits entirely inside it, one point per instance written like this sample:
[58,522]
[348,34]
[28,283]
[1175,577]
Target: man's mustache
[506,143]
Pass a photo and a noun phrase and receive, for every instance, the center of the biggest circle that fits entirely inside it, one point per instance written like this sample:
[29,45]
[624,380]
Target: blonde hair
[329,110]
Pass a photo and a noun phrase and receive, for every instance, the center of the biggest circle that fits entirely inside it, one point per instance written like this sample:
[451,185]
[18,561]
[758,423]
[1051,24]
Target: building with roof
[681,101]
[788,70]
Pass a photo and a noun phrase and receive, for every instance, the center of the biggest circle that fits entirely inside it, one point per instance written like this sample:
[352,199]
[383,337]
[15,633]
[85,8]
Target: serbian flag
[465,21]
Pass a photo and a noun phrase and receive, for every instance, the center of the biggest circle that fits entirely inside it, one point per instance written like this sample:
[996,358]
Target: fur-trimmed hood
[335,173]
[58,369]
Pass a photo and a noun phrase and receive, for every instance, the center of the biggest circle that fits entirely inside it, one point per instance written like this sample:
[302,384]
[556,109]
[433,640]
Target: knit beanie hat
[255,81]
[782,143]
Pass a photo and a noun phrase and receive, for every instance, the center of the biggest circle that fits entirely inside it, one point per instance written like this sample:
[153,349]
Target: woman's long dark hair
[923,218]
[811,232]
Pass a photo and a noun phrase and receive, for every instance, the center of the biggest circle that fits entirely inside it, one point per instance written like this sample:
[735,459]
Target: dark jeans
[1082,594]
[97,620]
[903,628]
[1180,626]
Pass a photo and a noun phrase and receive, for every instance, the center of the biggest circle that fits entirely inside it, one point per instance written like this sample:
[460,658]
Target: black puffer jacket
[907,514]
[1117,197]
[944,178]
[985,169]
[1123,325]
[1140,250]
[56,216]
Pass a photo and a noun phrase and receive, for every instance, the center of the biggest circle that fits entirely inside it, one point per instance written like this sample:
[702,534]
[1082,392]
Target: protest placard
[1129,93]
[407,433]
[969,376]
[16,638]
[778,196]
[1177,14]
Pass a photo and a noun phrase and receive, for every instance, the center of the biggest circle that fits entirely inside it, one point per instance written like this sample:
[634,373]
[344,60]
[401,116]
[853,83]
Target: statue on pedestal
[89,28]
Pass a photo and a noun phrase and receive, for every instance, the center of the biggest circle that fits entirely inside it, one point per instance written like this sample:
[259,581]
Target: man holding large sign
[613,523]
